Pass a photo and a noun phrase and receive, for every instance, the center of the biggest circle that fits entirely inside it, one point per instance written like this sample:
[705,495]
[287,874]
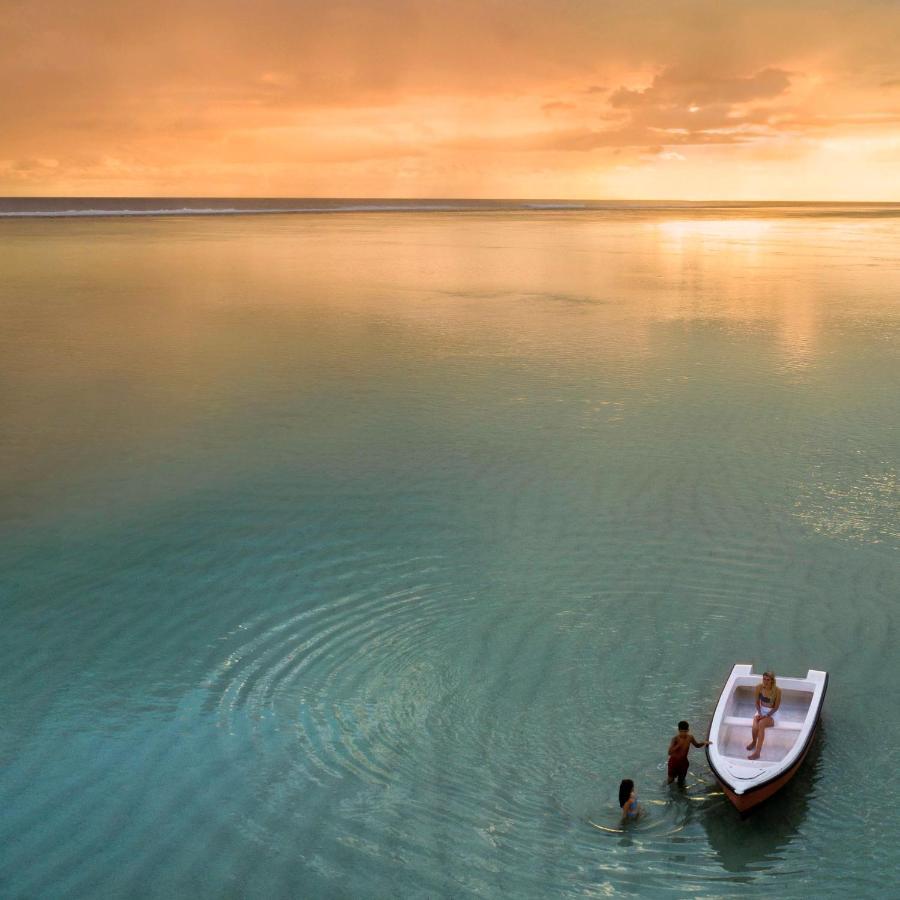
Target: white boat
[747,782]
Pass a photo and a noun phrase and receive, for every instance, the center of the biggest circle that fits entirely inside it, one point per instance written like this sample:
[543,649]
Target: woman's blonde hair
[772,676]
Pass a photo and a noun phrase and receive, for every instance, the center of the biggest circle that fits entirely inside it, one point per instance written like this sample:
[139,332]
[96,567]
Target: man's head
[683,726]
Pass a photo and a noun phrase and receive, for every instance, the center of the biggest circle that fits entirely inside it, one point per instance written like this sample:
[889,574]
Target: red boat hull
[745,802]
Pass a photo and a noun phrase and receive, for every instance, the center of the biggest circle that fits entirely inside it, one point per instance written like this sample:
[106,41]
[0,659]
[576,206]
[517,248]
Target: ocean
[359,548]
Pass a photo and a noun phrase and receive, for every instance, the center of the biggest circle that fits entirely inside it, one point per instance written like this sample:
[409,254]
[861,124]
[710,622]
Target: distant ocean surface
[12,207]
[362,554]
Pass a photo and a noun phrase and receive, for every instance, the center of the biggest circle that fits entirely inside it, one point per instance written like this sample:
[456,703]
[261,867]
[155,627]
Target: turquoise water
[361,555]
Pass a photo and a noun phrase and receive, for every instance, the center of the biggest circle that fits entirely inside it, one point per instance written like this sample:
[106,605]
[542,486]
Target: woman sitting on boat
[768,699]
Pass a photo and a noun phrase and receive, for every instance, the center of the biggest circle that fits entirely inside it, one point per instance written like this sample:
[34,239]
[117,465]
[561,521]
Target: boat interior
[735,732]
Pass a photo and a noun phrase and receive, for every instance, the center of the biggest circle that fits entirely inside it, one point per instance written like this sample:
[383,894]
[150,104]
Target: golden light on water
[723,229]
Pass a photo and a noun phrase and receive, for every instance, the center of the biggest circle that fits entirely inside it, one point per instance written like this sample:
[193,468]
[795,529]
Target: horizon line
[436,198]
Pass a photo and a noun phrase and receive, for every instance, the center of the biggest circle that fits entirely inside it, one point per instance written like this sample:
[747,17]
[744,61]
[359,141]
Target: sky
[588,99]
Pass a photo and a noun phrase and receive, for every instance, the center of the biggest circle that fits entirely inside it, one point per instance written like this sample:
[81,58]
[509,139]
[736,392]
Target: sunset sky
[471,98]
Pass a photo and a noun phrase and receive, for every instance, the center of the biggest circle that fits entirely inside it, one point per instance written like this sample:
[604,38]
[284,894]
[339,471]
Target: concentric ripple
[344,677]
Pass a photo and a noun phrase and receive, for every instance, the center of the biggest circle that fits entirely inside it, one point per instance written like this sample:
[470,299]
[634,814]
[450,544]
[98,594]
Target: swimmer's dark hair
[683,726]
[625,789]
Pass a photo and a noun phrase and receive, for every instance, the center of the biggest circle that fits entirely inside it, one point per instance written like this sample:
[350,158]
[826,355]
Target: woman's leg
[765,723]
[755,729]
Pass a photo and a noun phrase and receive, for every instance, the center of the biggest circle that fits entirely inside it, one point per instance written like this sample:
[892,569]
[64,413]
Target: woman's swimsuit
[630,809]
[766,706]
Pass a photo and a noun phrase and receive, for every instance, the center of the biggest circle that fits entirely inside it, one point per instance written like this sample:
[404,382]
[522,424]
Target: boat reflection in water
[751,845]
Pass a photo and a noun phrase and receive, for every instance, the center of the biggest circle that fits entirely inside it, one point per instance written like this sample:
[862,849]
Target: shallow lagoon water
[361,555]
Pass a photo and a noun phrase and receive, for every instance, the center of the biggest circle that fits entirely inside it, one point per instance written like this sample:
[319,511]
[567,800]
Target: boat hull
[745,802]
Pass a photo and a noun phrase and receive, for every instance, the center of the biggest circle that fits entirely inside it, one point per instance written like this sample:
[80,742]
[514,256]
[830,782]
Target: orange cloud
[681,88]
[558,106]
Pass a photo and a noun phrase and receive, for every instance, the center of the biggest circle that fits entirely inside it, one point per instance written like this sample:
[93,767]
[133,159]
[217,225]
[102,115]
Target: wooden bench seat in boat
[748,723]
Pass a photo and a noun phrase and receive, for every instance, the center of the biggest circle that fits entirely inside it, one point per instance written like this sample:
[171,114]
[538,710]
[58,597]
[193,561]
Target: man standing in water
[679,747]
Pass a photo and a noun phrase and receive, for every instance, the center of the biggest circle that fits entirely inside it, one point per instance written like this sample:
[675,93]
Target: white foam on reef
[746,210]
[58,213]
[230,211]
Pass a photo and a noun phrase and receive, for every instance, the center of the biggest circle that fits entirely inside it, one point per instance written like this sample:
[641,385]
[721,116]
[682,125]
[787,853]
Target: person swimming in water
[768,699]
[628,801]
